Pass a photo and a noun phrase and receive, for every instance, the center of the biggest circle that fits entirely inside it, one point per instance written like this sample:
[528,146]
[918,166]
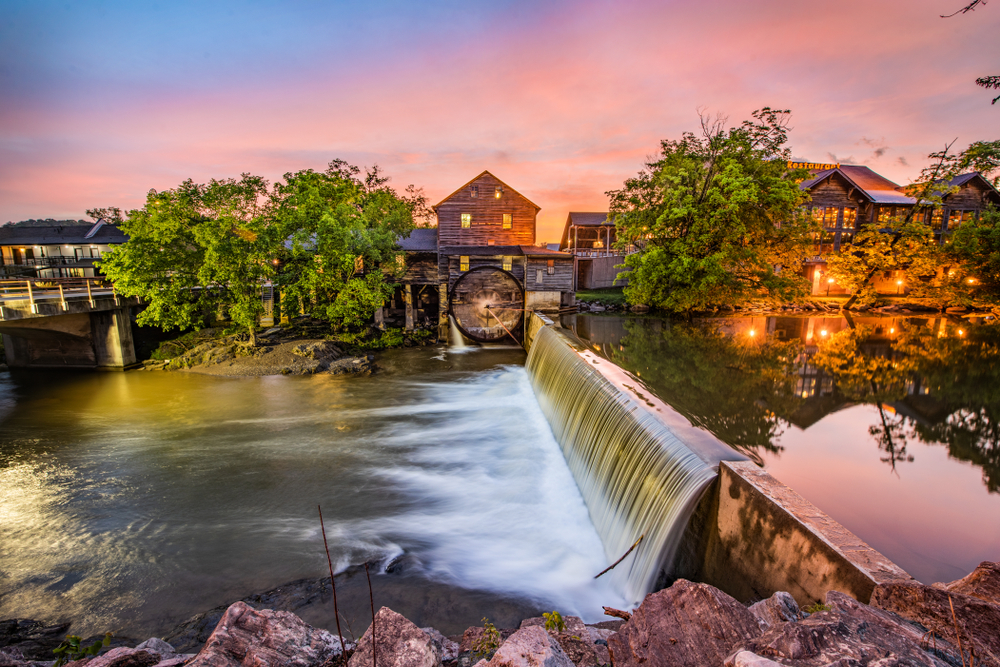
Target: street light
[899,286]
[829,281]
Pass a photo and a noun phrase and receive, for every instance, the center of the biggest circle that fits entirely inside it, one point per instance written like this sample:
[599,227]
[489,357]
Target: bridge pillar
[111,331]
[17,351]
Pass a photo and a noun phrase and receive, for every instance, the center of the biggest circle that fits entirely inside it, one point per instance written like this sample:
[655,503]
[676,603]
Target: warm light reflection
[972,281]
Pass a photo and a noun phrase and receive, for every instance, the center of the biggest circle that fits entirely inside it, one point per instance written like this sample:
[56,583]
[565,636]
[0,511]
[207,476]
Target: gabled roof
[421,239]
[963,179]
[486,173]
[588,219]
[872,186]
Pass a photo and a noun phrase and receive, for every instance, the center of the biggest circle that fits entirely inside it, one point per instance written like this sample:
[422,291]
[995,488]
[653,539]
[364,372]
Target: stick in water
[371,598]
[612,566]
[332,584]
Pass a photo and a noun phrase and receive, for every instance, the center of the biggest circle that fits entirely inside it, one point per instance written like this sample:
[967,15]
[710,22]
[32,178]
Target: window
[498,191]
[552,267]
[850,217]
[463,263]
[885,214]
[830,217]
[400,262]
[817,214]
[508,220]
[955,218]
[466,220]
[538,276]
[474,191]
[507,263]
[359,264]
[937,217]
[490,242]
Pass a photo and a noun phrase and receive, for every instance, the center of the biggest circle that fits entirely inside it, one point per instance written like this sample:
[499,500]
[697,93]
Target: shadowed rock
[779,608]
[982,583]
[685,625]
[530,647]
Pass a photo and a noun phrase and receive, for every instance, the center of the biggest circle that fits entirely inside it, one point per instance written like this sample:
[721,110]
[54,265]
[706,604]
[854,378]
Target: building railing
[34,291]
[46,262]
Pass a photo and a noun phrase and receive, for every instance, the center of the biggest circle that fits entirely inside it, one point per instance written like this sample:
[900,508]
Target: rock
[158,646]
[11,657]
[125,657]
[779,608]
[530,647]
[272,331]
[982,583]
[578,648]
[245,636]
[33,639]
[748,659]
[320,350]
[399,644]
[449,649]
[352,365]
[976,618]
[686,624]
[850,633]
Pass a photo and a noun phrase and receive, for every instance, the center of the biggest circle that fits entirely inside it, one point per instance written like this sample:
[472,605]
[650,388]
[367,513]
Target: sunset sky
[101,101]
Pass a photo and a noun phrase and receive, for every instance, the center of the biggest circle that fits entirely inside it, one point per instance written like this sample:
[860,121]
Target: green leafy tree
[716,218]
[973,258]
[342,257]
[194,250]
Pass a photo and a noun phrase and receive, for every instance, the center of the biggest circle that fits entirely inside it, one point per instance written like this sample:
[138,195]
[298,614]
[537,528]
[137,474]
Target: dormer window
[508,220]
[474,191]
[498,192]
[466,220]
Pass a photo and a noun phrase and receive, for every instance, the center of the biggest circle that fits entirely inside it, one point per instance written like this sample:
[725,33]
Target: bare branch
[968,8]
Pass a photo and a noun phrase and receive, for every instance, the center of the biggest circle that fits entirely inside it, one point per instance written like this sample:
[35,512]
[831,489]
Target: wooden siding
[970,196]
[561,280]
[487,216]
[421,269]
[454,267]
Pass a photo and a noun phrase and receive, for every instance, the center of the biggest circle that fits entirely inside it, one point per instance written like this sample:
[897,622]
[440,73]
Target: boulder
[982,583]
[320,351]
[849,633]
[977,620]
[574,639]
[449,649]
[748,659]
[158,646]
[779,608]
[687,624]
[11,657]
[124,657]
[32,639]
[398,643]
[530,647]
[245,636]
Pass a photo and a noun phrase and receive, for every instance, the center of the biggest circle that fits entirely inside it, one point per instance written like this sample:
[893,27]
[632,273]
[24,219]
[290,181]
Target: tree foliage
[713,217]
[199,249]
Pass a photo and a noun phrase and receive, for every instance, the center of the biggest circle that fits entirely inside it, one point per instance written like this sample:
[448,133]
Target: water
[130,501]
[638,477]
[889,425]
[455,338]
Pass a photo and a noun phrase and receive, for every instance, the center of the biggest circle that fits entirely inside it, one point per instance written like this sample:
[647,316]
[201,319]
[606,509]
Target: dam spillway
[638,474]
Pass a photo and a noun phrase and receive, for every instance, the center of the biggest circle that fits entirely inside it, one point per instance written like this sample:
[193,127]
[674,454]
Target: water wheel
[487,304]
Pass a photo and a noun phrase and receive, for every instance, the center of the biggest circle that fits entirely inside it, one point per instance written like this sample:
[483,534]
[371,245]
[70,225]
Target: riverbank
[305,347]
[686,625]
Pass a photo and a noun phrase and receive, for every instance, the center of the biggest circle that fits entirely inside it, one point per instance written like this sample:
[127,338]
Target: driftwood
[617,613]
[612,566]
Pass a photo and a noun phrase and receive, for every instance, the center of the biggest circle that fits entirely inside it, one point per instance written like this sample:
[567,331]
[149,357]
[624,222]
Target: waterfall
[454,335]
[634,472]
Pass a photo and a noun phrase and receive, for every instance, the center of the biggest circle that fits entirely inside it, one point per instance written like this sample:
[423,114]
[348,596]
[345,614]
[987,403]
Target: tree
[716,218]
[342,258]
[986,82]
[196,249]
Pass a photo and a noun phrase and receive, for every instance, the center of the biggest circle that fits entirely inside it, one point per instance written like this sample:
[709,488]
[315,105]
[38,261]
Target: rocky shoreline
[686,625]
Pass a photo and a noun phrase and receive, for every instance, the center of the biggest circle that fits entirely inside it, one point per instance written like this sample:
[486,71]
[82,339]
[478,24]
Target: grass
[608,295]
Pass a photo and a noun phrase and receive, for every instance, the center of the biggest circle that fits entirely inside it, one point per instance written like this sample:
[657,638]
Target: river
[130,501]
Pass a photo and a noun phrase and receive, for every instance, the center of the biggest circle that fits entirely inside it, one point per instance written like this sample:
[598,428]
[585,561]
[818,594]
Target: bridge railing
[35,291]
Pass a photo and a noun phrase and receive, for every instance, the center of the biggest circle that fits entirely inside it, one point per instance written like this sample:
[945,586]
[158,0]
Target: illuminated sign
[812,165]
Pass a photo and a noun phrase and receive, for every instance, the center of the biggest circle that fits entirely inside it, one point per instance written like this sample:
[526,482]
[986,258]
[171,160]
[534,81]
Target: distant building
[55,251]
[847,197]
[591,239]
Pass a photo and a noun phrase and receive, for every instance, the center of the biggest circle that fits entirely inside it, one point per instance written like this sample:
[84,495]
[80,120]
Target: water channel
[131,501]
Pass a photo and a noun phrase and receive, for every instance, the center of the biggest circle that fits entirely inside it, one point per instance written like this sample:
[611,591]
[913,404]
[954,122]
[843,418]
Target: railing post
[90,295]
[31,297]
[62,297]
[115,293]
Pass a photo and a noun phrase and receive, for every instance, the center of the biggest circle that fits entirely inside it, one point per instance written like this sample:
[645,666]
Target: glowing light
[961,333]
[829,280]
[751,333]
[899,282]
[972,281]
[892,330]
[823,332]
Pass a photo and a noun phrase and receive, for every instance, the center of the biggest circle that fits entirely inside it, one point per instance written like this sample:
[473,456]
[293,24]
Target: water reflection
[888,424]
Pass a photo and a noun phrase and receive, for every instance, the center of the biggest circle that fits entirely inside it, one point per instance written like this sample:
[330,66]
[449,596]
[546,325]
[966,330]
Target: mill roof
[486,173]
[421,239]
[873,186]
[62,235]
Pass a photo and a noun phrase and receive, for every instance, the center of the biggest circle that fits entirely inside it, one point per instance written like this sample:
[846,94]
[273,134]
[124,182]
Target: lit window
[400,261]
[359,264]
[463,263]
[507,262]
[830,216]
[491,242]
[508,220]
[850,217]
[885,214]
[552,267]
[474,191]
[817,214]
[498,192]
[937,217]
[955,218]
[466,220]
[538,275]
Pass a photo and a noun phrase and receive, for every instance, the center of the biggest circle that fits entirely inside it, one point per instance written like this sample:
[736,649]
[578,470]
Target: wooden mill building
[483,224]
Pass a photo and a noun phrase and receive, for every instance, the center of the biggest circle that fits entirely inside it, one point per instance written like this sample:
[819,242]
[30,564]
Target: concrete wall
[752,536]
[598,272]
[543,301]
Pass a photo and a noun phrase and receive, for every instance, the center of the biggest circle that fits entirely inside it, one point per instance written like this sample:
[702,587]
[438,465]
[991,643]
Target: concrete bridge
[66,323]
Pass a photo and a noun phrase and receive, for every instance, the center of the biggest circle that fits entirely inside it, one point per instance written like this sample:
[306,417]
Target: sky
[101,101]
